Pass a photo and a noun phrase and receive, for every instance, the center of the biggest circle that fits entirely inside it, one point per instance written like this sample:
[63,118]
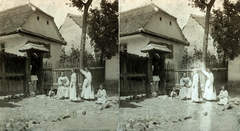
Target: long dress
[195,88]
[185,91]
[210,91]
[223,96]
[102,96]
[63,90]
[87,90]
[73,94]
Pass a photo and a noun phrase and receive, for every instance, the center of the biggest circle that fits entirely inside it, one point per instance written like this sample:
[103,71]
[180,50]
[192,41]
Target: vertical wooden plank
[3,73]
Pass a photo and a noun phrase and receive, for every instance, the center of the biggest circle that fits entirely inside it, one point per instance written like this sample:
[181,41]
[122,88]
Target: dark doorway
[35,63]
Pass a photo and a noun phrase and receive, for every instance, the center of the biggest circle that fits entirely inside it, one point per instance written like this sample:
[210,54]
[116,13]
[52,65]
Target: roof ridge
[136,8]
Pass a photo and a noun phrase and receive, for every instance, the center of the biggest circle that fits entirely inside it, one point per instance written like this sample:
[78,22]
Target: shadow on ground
[125,104]
[7,104]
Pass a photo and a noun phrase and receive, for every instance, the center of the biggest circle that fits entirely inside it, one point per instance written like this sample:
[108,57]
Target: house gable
[144,19]
[20,20]
[42,24]
[161,23]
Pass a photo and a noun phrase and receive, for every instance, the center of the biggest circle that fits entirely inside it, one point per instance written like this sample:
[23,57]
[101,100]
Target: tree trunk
[206,33]
[83,37]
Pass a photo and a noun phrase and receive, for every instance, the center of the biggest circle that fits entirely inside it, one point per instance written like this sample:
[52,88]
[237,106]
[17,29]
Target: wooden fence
[51,75]
[133,74]
[219,71]
[12,74]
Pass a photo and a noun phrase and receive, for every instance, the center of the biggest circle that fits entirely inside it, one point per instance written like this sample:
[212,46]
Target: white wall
[194,33]
[234,70]
[41,27]
[14,42]
[72,33]
[112,70]
[135,45]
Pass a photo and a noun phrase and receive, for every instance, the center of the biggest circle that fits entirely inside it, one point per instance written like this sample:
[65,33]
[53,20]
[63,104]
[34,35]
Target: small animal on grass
[173,94]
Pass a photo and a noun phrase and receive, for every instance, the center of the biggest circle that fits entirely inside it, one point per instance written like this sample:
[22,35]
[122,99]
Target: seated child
[101,95]
[173,93]
[51,93]
[223,96]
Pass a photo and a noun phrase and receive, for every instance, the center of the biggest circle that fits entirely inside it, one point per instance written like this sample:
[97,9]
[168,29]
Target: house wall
[163,26]
[71,32]
[41,27]
[112,68]
[14,42]
[234,70]
[194,33]
[135,45]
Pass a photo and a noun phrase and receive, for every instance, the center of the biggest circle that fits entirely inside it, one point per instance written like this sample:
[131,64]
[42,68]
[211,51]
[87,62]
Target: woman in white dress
[87,90]
[63,90]
[185,91]
[73,94]
[210,91]
[196,90]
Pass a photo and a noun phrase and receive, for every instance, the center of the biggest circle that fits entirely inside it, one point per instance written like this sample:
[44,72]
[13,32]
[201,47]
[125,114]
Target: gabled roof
[11,20]
[201,21]
[76,18]
[133,22]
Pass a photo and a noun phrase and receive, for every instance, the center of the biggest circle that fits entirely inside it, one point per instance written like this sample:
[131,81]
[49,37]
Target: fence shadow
[125,104]
[4,104]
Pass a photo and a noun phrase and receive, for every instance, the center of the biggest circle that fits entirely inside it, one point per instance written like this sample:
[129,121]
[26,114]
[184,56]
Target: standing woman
[196,94]
[73,94]
[209,92]
[87,90]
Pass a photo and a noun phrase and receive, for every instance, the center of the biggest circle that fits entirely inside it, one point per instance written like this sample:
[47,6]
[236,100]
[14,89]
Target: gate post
[149,74]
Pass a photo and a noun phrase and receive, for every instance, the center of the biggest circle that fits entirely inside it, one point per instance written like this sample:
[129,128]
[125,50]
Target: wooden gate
[12,74]
[133,74]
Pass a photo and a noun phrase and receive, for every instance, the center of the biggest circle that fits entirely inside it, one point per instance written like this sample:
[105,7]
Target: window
[47,54]
[169,55]
[47,22]
[2,47]
[123,47]
[160,18]
[38,18]
[170,23]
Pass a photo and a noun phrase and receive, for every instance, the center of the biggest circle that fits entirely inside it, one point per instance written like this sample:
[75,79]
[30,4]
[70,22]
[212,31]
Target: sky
[56,8]
[178,8]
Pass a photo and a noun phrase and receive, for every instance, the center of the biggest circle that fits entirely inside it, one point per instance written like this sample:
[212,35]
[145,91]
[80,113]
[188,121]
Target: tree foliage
[103,28]
[226,30]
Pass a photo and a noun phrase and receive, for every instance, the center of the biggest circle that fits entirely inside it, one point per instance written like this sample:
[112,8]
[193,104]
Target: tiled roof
[11,20]
[77,19]
[133,20]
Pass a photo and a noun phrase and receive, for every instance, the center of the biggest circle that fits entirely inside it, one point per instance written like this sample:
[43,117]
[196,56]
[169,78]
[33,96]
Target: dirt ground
[41,113]
[165,114]
[45,114]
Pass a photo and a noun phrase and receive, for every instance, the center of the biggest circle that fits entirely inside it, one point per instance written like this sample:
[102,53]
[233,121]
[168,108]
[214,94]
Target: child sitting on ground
[51,93]
[173,93]
[223,96]
[101,95]
[223,99]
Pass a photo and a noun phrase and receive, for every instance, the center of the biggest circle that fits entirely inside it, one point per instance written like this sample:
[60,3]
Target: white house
[194,32]
[28,31]
[150,24]
[71,31]
[27,23]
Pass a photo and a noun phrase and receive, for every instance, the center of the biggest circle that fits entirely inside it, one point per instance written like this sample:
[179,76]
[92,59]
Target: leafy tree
[103,29]
[226,30]
[204,5]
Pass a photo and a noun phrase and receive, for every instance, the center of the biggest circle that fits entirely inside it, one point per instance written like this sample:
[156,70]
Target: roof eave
[20,30]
